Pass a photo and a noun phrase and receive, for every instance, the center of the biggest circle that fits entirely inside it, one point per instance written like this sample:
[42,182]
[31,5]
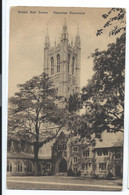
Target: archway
[63,166]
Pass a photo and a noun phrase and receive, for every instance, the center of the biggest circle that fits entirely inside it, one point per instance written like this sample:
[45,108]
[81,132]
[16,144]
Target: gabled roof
[23,155]
[110,140]
[62,135]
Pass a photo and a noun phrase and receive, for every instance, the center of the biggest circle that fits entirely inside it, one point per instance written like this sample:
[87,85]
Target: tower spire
[65,33]
[65,23]
[77,39]
[47,40]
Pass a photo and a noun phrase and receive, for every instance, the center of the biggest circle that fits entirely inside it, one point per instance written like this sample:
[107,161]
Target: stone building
[66,155]
[20,160]
[62,63]
[108,155]
[72,157]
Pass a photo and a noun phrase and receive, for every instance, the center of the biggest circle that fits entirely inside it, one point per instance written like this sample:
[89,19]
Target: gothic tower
[62,63]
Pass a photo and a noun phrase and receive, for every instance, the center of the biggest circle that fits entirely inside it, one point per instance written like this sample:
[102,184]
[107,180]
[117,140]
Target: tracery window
[73,64]
[58,62]
[52,65]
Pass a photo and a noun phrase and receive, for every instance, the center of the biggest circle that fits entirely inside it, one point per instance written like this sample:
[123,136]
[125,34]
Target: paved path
[62,183]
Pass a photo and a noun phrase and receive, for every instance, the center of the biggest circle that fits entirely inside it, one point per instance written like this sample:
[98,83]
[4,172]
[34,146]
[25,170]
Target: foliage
[103,97]
[104,94]
[116,18]
[74,103]
[33,113]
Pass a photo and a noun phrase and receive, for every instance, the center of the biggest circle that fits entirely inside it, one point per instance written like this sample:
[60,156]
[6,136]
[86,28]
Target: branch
[121,130]
[50,138]
[113,114]
[30,133]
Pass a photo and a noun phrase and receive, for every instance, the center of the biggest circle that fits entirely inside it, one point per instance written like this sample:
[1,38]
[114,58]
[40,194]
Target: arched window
[52,65]
[19,166]
[58,63]
[73,62]
[68,62]
[29,167]
[9,166]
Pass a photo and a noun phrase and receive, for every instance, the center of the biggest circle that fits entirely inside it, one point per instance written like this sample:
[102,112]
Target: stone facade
[83,159]
[108,161]
[20,160]
[60,155]
[72,157]
[62,63]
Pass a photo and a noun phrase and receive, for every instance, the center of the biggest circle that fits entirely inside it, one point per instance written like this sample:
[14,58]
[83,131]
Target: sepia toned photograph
[66,98]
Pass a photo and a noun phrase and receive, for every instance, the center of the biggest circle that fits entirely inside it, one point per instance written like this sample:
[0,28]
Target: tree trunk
[36,151]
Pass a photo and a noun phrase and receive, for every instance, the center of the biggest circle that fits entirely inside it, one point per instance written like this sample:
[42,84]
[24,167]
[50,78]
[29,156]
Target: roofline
[108,147]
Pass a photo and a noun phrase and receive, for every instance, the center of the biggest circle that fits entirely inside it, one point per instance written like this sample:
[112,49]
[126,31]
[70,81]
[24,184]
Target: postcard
[66,98]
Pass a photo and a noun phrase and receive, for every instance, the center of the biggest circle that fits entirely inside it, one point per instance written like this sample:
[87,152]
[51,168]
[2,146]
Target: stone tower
[62,63]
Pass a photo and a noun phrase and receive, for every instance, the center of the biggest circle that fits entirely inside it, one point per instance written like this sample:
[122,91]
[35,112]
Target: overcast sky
[27,34]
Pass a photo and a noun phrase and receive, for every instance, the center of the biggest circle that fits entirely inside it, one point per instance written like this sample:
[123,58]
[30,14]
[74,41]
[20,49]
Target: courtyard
[62,183]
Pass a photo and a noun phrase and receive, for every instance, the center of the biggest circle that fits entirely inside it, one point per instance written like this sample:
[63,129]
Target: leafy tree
[116,18]
[104,94]
[74,103]
[34,115]
[77,123]
[103,97]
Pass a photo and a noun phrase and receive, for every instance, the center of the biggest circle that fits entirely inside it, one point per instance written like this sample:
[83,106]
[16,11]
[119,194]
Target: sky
[27,35]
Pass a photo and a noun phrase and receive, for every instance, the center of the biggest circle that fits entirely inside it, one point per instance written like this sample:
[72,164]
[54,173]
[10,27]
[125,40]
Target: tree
[116,18]
[103,97]
[34,115]
[74,103]
[104,94]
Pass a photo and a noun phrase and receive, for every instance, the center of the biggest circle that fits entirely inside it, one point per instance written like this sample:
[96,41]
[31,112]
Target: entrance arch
[63,166]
